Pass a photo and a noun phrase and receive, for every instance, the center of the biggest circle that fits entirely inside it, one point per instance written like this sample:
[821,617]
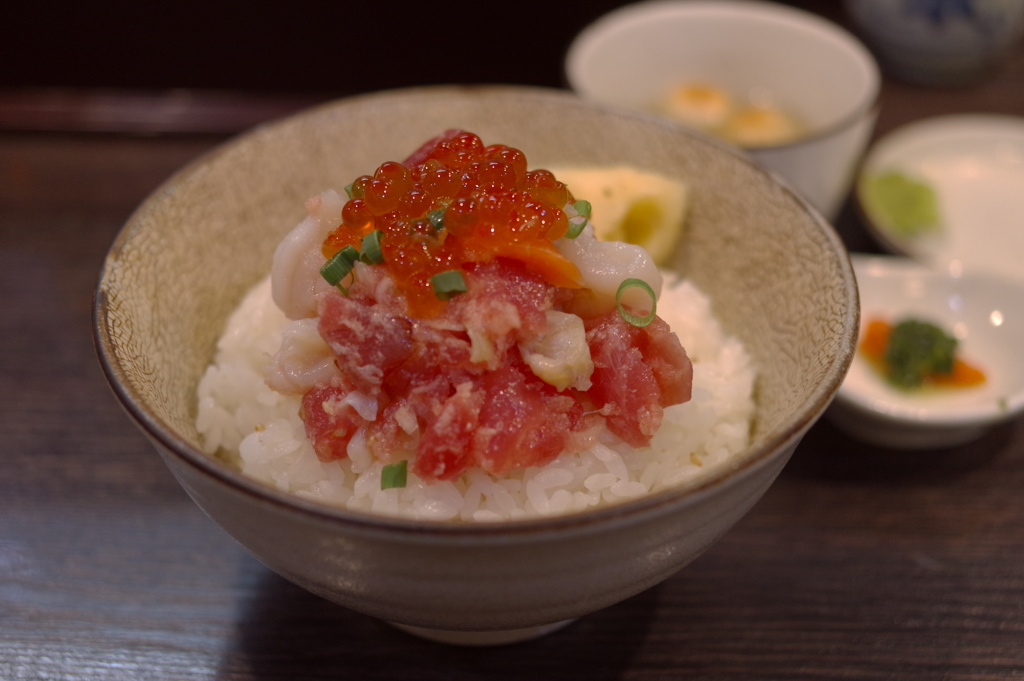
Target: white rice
[259,431]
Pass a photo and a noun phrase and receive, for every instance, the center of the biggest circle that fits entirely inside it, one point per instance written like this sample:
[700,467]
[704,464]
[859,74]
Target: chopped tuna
[637,372]
[460,335]
[330,421]
[523,422]
[668,361]
[367,339]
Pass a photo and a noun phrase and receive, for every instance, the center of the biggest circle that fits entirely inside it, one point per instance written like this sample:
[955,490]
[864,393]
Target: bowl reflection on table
[776,273]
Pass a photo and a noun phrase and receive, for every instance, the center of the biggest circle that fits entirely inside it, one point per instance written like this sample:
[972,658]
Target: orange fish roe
[453,203]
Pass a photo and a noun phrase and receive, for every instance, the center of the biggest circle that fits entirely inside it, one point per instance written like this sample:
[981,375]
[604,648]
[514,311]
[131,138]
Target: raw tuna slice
[636,373]
[330,421]
[523,422]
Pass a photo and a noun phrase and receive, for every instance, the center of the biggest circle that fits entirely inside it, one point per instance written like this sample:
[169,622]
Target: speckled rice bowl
[777,277]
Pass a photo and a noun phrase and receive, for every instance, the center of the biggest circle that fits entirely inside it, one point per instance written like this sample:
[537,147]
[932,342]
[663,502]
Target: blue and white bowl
[938,42]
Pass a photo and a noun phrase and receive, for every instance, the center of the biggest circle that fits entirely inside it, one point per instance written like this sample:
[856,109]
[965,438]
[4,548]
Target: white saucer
[975,165]
[986,315]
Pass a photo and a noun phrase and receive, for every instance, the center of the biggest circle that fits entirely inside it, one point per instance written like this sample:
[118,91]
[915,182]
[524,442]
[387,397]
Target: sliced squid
[296,283]
[560,356]
[604,265]
[304,360]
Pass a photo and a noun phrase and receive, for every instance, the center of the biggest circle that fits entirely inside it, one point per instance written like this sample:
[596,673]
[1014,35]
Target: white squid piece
[304,360]
[606,264]
[560,356]
[296,284]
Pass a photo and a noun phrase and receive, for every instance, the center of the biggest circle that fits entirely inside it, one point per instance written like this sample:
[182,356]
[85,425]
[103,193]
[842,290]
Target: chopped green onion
[448,284]
[576,226]
[348,190]
[372,254]
[578,222]
[339,266]
[436,218]
[633,319]
[394,475]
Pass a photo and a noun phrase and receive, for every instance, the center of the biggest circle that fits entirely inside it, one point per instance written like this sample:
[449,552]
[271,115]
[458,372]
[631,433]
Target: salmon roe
[452,203]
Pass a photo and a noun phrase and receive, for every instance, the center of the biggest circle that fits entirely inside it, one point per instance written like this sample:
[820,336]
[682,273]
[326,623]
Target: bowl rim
[167,440]
[897,267]
[868,108]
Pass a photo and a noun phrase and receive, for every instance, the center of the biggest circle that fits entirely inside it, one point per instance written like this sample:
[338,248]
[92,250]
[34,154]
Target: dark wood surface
[859,563]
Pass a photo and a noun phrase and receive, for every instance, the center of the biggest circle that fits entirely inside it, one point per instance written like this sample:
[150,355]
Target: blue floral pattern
[939,11]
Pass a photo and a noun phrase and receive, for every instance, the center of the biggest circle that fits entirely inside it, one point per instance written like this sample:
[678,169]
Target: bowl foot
[482,638]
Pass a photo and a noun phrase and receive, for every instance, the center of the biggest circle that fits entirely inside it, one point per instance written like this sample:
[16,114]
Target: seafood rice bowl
[776,274]
[558,373]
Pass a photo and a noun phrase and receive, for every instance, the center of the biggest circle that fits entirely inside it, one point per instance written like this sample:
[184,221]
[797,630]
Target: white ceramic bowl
[777,275]
[633,56]
[985,314]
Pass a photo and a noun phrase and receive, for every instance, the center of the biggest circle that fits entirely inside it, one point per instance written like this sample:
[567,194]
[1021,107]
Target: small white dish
[986,315]
[975,167]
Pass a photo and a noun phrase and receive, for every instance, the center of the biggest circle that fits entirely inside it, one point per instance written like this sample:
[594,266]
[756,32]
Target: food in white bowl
[190,253]
[818,76]
[983,315]
[750,121]
[547,382]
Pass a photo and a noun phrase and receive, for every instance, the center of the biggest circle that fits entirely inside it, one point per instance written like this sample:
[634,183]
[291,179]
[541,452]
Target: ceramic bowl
[776,272]
[933,42]
[985,314]
[972,168]
[634,56]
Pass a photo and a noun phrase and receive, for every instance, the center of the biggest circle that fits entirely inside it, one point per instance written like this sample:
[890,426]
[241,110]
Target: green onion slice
[448,284]
[394,475]
[339,266]
[576,226]
[578,222]
[633,319]
[436,218]
[348,190]
[372,254]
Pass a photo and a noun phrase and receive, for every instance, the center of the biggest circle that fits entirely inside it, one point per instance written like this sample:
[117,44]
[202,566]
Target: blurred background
[297,46]
[287,53]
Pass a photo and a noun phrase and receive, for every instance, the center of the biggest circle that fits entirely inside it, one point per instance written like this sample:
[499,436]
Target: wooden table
[859,563]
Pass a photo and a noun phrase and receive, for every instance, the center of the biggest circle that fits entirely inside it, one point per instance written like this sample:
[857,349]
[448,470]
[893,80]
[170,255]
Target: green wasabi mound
[905,205]
[918,349]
